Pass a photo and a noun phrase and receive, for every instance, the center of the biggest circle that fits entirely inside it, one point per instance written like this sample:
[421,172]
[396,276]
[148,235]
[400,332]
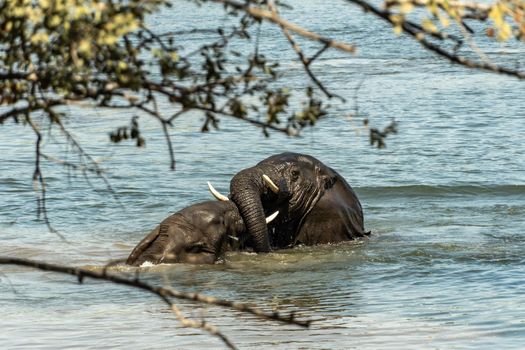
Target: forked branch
[166,294]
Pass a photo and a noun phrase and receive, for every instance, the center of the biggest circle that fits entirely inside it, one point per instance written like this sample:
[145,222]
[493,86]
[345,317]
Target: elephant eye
[295,175]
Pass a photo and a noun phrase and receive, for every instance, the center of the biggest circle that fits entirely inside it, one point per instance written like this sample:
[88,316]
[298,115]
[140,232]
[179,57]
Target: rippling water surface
[444,267]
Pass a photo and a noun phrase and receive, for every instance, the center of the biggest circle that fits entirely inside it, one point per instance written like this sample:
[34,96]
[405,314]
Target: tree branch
[306,62]
[420,37]
[163,293]
[39,183]
[270,16]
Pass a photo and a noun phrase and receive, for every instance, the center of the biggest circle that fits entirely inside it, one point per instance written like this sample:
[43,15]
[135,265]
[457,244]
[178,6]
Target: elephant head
[198,234]
[290,182]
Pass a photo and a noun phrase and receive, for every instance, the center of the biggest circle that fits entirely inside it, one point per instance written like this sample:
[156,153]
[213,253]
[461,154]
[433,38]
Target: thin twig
[79,167]
[306,62]
[170,144]
[261,14]
[39,183]
[204,325]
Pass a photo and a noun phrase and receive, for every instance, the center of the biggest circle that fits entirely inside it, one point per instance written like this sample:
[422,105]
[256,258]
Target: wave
[442,191]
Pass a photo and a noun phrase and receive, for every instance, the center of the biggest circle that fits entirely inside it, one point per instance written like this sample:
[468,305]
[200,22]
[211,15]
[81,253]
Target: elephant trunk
[246,189]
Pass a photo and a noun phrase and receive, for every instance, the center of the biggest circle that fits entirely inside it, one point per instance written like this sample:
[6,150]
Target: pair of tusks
[223,198]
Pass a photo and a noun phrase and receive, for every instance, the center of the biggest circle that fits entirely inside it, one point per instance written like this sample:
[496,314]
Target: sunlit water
[444,267]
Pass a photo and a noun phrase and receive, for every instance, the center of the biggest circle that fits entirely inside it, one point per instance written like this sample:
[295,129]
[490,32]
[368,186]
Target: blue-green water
[445,201]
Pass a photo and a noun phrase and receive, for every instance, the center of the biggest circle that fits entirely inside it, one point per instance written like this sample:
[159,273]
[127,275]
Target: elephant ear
[328,177]
[329,182]
[144,244]
[337,216]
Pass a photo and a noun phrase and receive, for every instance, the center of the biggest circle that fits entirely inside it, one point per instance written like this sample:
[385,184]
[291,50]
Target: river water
[445,202]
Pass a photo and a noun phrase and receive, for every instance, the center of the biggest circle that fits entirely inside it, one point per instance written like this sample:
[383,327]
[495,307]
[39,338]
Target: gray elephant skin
[198,234]
[316,206]
[315,203]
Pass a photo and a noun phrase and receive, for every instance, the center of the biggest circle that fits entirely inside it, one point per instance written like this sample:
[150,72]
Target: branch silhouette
[165,294]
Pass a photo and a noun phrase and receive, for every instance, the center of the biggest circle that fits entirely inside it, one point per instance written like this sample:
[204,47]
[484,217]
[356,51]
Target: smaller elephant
[198,234]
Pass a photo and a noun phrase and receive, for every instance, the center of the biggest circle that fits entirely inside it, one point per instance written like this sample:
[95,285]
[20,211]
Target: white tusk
[271,217]
[271,184]
[216,193]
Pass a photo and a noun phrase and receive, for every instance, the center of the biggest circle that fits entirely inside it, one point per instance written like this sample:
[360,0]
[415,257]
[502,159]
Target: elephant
[311,204]
[198,234]
[315,203]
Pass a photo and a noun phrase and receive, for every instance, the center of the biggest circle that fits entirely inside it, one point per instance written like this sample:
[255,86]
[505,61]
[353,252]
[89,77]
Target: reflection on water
[445,203]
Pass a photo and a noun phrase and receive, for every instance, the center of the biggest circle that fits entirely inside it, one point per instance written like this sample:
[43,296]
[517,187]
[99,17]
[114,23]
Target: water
[445,201]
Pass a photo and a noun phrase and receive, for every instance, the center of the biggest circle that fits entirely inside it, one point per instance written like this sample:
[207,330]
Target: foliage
[102,53]
[60,52]
[444,28]
[507,17]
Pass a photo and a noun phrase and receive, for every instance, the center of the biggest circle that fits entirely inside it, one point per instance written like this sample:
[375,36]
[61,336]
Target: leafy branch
[445,12]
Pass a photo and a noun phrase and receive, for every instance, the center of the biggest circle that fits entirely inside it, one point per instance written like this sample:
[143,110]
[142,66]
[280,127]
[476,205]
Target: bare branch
[306,62]
[78,167]
[15,112]
[163,293]
[270,16]
[206,326]
[318,53]
[96,168]
[170,144]
[251,121]
[39,183]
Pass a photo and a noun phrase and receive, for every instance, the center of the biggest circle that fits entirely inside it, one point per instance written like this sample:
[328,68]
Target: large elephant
[315,203]
[198,234]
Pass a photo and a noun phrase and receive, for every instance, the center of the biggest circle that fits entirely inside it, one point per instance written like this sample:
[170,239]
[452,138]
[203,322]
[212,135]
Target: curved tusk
[216,193]
[271,217]
[270,184]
